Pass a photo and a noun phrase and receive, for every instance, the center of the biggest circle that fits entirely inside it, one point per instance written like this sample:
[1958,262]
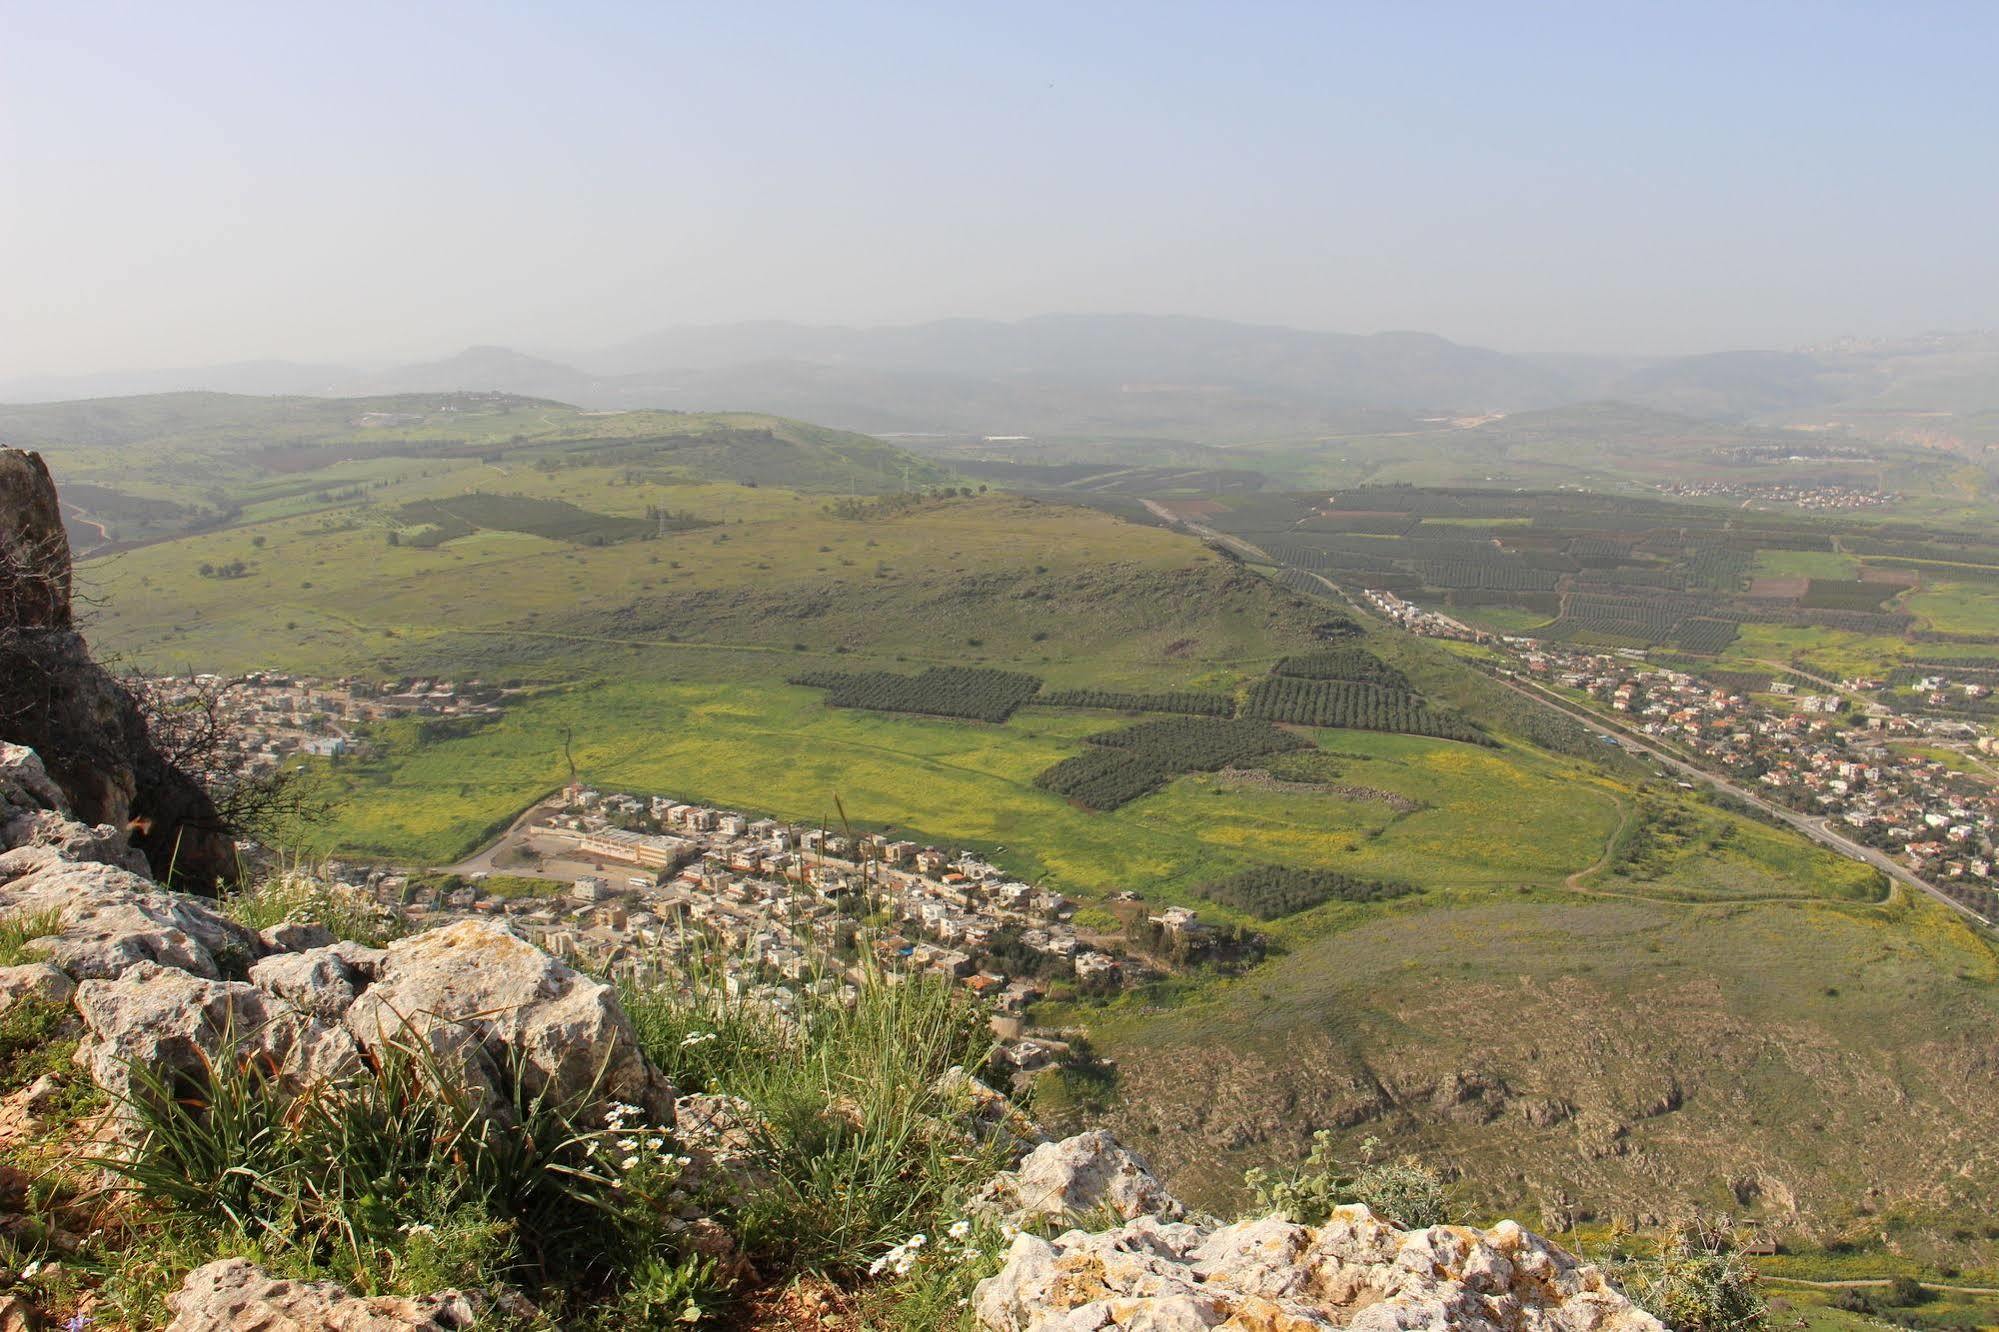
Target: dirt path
[1575,881]
[1817,832]
[1860,1283]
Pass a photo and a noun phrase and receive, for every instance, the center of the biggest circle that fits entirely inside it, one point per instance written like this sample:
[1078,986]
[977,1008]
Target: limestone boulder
[25,784]
[1078,1176]
[34,980]
[499,1011]
[1355,1272]
[111,919]
[236,1295]
[40,838]
[318,982]
[174,1026]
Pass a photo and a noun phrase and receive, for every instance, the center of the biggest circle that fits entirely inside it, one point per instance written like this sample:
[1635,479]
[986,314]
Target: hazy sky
[189,182]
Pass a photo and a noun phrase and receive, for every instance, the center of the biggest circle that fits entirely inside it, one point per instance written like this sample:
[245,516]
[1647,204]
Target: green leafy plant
[1403,1191]
[1698,1281]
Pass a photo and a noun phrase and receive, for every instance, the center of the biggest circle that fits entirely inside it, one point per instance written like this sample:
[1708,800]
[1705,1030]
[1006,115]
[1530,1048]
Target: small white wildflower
[959,1229]
[630,1163]
[418,1228]
[696,1038]
[915,1242]
[654,1144]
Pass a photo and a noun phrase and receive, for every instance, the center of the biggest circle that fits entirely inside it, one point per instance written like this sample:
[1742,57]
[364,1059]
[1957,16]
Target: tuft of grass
[22,928]
[398,1181]
[864,1141]
[37,1040]
[299,896]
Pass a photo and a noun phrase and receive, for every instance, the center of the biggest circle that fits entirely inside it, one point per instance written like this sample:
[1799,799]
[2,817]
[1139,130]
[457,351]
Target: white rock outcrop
[238,1296]
[168,984]
[175,1025]
[1354,1272]
[503,1010]
[1085,1174]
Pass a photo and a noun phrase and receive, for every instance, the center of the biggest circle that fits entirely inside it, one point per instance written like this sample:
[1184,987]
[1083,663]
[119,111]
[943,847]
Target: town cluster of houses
[1815,498]
[635,883]
[270,716]
[1865,772]
[1417,620]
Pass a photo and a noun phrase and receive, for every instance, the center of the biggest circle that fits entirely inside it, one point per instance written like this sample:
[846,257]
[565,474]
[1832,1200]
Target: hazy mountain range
[1123,375]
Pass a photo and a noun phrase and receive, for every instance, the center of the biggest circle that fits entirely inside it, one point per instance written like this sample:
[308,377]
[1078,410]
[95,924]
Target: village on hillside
[1921,788]
[637,885]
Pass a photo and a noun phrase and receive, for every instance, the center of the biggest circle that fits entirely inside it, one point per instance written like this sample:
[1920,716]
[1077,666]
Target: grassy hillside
[136,469]
[1601,1057]
[1561,1010]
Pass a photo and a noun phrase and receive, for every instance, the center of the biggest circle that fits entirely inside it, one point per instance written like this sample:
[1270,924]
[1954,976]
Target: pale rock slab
[1355,1272]
[175,1025]
[1076,1176]
[237,1296]
[495,1007]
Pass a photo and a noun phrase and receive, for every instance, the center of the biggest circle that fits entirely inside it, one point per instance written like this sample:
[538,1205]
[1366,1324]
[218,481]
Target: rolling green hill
[1546,1026]
[136,469]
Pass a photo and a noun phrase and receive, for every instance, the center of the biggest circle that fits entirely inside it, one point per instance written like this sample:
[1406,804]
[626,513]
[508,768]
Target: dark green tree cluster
[1270,891]
[975,693]
[1120,766]
[1194,703]
[1346,661]
[1361,707]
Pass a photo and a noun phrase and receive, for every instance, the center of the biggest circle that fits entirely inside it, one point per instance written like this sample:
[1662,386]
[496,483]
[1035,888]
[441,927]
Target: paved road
[1812,828]
[1632,741]
[481,861]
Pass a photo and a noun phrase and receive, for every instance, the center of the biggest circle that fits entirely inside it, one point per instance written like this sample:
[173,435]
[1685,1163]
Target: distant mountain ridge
[1173,376]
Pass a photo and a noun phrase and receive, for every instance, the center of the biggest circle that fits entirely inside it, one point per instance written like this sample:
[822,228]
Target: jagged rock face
[1267,1275]
[238,1296]
[34,549]
[55,699]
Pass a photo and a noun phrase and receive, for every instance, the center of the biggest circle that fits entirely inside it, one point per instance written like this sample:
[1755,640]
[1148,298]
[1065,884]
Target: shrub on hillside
[1403,1191]
[1270,891]
[1698,1281]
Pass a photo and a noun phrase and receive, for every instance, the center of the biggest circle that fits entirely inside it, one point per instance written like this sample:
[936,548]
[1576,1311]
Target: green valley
[676,604]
